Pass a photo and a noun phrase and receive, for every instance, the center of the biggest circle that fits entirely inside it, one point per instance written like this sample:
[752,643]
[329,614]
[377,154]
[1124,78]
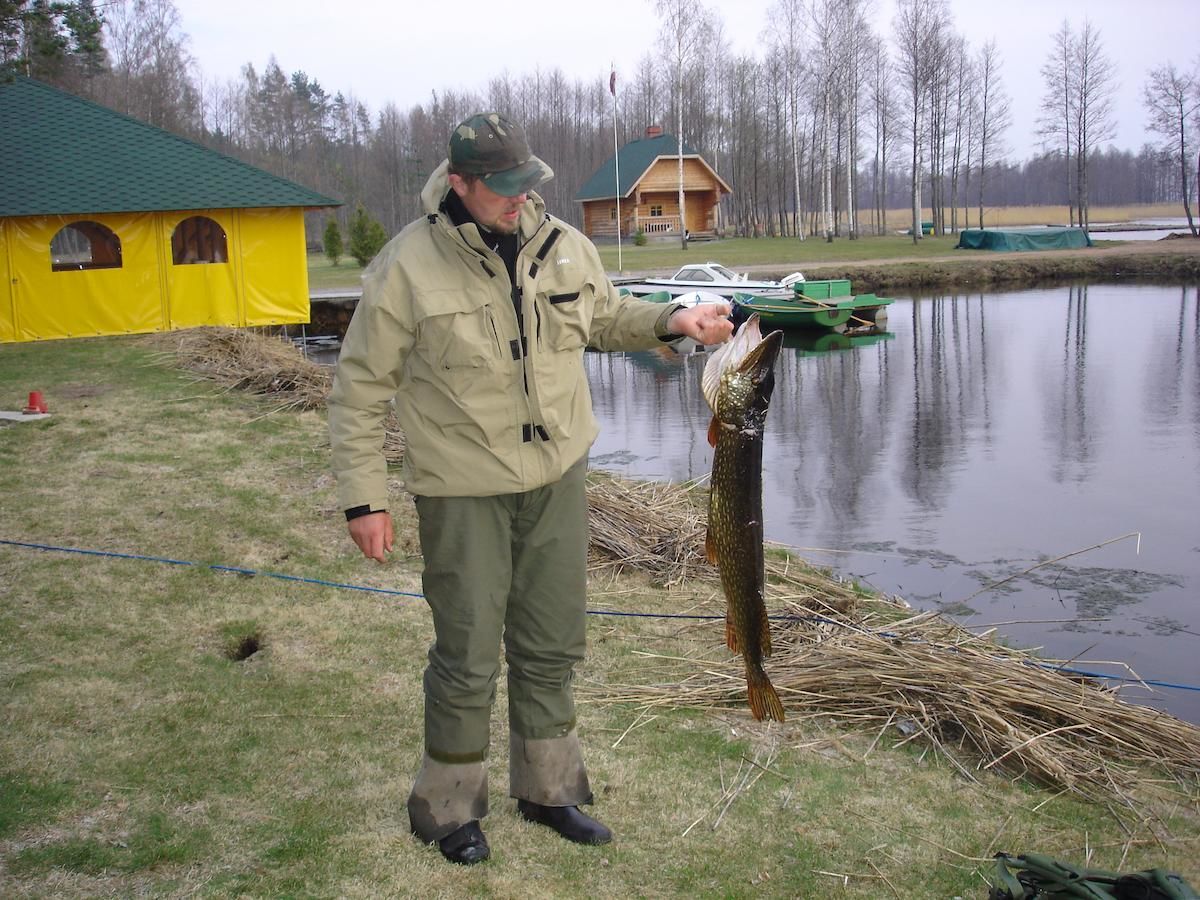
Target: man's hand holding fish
[705,323]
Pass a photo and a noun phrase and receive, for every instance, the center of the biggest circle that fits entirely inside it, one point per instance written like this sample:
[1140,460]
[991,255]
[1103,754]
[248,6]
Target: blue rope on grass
[237,570]
[234,569]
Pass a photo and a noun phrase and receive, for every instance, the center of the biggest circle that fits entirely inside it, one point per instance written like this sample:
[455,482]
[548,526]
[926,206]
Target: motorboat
[707,277]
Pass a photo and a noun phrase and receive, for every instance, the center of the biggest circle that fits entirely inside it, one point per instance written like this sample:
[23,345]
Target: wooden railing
[657,225]
[660,225]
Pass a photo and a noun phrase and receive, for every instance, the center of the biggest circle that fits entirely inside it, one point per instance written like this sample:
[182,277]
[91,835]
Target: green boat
[826,305]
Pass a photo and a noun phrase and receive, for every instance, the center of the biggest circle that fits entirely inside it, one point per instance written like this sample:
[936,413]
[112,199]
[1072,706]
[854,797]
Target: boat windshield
[724,272]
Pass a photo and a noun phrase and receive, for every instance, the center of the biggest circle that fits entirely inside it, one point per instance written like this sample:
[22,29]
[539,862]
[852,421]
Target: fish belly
[736,547]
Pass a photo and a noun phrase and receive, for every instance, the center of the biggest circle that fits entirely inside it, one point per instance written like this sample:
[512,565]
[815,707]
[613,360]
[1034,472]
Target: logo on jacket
[562,262]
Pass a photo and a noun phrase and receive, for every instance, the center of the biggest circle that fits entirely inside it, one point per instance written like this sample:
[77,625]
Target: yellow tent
[110,226]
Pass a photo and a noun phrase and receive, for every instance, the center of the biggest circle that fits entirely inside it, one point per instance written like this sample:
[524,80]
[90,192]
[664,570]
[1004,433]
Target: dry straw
[872,664]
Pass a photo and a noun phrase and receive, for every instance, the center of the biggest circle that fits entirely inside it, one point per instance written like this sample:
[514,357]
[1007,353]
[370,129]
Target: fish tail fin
[764,702]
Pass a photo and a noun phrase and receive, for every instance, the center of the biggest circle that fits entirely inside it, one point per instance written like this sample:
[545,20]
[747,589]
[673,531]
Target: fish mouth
[748,352]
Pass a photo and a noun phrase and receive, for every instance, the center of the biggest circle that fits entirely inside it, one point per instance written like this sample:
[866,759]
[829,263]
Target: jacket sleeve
[624,323]
[369,371]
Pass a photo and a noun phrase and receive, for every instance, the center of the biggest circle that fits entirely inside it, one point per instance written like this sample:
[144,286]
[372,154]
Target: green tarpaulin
[1023,238]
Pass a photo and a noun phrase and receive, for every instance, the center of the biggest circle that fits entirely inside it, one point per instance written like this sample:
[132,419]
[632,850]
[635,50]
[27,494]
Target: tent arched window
[84,245]
[198,239]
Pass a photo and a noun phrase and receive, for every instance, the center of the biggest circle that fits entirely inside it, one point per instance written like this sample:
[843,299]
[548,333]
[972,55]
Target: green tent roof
[66,155]
[635,159]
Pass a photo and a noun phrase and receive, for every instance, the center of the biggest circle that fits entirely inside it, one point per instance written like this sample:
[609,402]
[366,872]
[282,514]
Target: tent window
[198,240]
[84,245]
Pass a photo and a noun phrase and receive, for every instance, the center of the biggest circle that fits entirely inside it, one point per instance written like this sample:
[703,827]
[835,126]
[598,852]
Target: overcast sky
[402,51]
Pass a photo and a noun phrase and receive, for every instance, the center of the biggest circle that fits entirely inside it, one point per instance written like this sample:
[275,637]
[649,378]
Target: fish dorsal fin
[710,547]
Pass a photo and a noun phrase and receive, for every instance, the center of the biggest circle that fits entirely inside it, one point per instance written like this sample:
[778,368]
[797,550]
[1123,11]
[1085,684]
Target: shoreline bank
[1166,260]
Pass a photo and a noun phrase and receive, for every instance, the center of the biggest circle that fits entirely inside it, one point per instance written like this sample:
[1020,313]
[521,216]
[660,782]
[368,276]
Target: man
[474,319]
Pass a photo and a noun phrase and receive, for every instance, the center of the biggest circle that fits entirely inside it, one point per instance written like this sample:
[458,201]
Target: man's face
[491,210]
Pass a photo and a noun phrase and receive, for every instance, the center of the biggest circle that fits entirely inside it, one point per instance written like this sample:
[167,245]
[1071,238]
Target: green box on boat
[825,289]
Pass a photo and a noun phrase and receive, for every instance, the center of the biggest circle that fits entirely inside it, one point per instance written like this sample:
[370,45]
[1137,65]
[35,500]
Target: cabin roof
[66,155]
[635,160]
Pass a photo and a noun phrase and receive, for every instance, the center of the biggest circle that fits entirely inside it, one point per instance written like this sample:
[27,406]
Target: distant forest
[914,119]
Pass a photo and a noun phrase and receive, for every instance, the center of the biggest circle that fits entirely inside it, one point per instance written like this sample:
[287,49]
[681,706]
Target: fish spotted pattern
[737,383]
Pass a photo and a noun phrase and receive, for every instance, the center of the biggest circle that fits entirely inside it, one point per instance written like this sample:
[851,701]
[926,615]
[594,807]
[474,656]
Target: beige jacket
[436,330]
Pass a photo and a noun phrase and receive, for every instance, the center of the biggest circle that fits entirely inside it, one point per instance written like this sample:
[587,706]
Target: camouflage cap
[494,148]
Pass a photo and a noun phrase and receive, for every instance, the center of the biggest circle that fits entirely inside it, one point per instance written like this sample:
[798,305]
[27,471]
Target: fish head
[741,372]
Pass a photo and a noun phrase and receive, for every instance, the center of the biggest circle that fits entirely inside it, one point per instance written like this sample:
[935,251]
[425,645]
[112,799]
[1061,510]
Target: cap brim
[518,179]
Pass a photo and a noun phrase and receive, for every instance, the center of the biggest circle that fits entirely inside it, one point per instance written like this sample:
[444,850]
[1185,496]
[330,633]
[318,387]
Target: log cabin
[648,194]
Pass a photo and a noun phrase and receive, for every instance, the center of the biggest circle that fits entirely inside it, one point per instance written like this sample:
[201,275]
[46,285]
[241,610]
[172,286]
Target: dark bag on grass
[1032,875]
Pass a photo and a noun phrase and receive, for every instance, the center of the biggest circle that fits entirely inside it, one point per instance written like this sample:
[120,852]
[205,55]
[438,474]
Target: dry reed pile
[263,364]
[248,360]
[659,529]
[979,704]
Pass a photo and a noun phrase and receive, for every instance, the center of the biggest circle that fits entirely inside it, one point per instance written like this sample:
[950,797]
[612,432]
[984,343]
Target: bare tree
[685,28]
[823,29]
[1172,99]
[1058,101]
[787,20]
[1094,85]
[855,36]
[994,113]
[882,116]
[963,79]
[151,69]
[918,25]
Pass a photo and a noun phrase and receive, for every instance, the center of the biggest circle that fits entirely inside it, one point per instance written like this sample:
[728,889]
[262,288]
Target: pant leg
[466,544]
[545,637]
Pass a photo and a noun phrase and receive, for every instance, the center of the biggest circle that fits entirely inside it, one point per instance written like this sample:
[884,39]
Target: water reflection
[982,434]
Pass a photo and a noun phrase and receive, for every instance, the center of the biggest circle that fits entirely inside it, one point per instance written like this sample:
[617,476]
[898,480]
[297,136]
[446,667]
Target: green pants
[508,569]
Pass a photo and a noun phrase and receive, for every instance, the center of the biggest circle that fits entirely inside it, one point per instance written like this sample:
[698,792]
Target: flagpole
[612,87]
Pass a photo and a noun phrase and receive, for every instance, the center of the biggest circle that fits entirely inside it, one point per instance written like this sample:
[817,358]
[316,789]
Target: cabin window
[84,245]
[656,209]
[198,240]
[612,214]
[694,275]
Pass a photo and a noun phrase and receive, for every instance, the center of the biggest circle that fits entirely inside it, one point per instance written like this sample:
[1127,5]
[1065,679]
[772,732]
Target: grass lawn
[182,730]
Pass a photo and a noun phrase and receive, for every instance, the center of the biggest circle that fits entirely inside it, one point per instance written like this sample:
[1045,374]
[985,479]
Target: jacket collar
[533,215]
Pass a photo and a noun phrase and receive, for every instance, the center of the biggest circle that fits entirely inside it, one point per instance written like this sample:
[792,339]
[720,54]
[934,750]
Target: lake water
[985,434]
[1148,230]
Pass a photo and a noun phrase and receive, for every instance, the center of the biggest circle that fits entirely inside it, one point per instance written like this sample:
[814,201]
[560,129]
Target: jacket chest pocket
[456,334]
[564,319]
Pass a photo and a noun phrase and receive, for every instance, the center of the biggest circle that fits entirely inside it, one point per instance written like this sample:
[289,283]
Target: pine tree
[334,248]
[367,236]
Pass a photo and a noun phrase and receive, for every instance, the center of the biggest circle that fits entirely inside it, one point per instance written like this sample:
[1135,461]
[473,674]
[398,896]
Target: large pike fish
[737,383]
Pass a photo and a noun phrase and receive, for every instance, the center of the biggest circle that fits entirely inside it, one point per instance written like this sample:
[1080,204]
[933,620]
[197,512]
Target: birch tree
[1172,100]
[1058,102]
[882,117]
[151,69]
[994,113]
[917,25]
[1094,84]
[960,152]
[685,28]
[787,18]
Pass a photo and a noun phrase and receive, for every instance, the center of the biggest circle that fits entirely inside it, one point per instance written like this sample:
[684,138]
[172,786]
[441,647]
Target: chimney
[653,131]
